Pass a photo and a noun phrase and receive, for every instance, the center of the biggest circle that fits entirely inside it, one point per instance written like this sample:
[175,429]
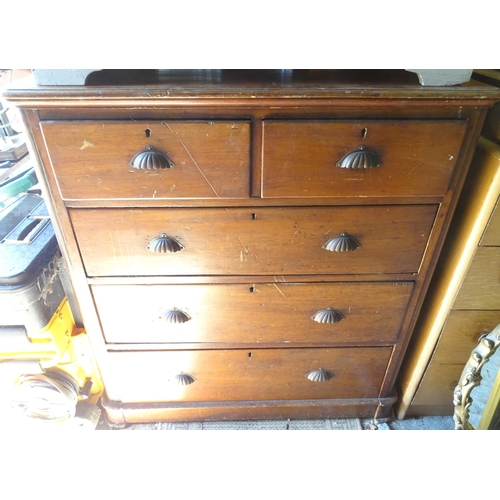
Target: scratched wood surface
[253,241]
[241,374]
[253,313]
[91,159]
[264,226]
[127,88]
[417,157]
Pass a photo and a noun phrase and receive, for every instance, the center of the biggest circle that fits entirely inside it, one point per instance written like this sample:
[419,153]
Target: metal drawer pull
[360,159]
[342,243]
[319,375]
[164,244]
[328,315]
[176,316]
[183,379]
[151,159]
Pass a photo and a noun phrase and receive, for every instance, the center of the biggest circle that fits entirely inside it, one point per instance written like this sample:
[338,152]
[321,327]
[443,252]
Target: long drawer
[307,159]
[250,241]
[237,375]
[252,313]
[189,159]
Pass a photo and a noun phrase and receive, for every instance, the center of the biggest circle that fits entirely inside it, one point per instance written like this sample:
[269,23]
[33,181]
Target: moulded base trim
[128,413]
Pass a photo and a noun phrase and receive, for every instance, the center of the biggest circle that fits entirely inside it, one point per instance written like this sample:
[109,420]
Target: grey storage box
[30,263]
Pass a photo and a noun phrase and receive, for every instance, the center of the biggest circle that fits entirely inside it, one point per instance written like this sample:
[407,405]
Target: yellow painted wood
[477,203]
[461,333]
[491,236]
[460,336]
[481,286]
[438,384]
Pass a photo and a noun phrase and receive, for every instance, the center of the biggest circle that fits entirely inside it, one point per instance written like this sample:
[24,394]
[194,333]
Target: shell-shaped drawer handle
[151,159]
[342,243]
[183,379]
[328,315]
[176,316]
[164,244]
[360,159]
[319,375]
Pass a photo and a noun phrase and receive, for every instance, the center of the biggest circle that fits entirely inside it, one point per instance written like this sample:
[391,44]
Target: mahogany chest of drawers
[251,246]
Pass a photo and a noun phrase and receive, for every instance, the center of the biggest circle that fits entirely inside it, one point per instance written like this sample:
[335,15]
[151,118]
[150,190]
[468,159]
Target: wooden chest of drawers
[251,249]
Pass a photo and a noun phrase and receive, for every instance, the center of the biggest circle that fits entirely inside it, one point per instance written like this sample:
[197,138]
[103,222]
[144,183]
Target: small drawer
[253,312]
[147,160]
[241,374]
[302,159]
[253,241]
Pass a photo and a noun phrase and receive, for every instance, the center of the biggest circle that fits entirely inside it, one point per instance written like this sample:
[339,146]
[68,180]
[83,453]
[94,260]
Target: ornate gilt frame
[471,377]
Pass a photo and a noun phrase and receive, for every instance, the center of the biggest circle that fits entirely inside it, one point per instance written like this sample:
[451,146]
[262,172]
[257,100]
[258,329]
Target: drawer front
[239,375]
[461,334]
[92,159]
[253,241]
[416,157]
[437,387]
[250,313]
[481,286]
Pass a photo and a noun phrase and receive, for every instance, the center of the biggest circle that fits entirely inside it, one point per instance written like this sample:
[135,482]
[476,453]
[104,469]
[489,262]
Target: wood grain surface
[253,241]
[253,313]
[253,196]
[481,285]
[236,375]
[417,157]
[491,236]
[91,159]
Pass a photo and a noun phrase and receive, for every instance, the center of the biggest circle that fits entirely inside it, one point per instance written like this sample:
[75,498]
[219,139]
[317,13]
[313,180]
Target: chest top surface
[253,87]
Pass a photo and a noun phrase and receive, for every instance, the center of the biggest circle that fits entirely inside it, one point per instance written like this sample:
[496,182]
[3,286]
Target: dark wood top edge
[250,93]
[199,102]
[164,92]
